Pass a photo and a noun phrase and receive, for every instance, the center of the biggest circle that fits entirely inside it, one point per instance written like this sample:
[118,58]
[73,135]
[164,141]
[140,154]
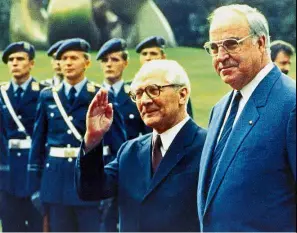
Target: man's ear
[183,95]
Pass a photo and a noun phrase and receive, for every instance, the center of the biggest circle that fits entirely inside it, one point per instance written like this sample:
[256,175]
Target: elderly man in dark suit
[153,176]
[247,178]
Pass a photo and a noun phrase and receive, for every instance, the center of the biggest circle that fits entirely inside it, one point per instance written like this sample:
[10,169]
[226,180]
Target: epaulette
[127,88]
[57,88]
[45,83]
[91,87]
[5,85]
[96,84]
[35,86]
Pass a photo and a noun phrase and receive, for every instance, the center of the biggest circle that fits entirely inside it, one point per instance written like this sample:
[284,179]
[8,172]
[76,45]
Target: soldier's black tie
[71,96]
[224,137]
[18,96]
[157,154]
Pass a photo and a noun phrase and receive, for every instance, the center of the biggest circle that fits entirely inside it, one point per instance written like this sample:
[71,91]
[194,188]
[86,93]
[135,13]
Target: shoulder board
[96,84]
[35,86]
[127,88]
[57,88]
[91,87]
[5,85]
[45,83]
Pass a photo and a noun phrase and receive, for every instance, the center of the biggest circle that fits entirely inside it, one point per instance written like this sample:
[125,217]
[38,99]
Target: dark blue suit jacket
[254,187]
[53,176]
[164,202]
[13,168]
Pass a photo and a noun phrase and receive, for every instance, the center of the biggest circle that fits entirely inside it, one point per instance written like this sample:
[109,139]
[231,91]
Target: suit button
[19,154]
[47,165]
[19,116]
[131,116]
[70,160]
[69,131]
[52,114]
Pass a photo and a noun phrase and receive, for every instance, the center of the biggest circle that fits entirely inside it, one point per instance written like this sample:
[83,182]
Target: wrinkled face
[20,65]
[56,65]
[74,64]
[113,66]
[283,61]
[149,54]
[164,111]
[239,68]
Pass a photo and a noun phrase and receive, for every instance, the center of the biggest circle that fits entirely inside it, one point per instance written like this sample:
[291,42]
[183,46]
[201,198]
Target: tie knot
[158,141]
[72,91]
[238,95]
[19,90]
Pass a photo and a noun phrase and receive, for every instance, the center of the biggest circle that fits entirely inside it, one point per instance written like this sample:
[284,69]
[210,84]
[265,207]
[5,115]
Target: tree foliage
[188,18]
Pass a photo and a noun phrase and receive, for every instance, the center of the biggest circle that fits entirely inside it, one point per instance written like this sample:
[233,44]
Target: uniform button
[71,118]
[70,160]
[47,165]
[69,131]
[68,146]
[19,154]
[19,116]
[52,114]
[131,116]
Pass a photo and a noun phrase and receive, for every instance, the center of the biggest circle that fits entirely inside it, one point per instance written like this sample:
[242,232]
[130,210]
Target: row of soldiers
[42,126]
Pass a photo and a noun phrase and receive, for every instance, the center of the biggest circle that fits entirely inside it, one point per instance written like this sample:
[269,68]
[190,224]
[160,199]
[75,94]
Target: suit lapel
[176,151]
[247,120]
[210,143]
[144,156]
[10,93]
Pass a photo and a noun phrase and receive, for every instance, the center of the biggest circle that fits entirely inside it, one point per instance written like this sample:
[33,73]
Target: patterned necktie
[71,95]
[224,136]
[157,155]
[18,97]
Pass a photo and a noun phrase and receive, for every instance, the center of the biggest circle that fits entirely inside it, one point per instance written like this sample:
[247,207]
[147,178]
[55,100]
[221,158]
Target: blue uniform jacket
[54,176]
[13,168]
[254,187]
[162,203]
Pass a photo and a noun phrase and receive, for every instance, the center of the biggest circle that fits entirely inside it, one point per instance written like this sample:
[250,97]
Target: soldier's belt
[19,143]
[65,152]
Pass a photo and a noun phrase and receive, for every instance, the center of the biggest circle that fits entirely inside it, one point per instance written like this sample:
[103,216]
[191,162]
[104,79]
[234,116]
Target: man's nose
[222,54]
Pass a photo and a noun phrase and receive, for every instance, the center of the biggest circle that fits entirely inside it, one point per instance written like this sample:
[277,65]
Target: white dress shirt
[78,87]
[168,136]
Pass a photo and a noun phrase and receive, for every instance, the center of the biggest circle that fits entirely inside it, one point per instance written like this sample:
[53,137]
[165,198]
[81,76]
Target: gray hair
[257,21]
[173,72]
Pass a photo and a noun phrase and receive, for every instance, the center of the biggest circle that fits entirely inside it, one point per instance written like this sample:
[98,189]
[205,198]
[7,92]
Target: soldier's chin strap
[65,116]
[21,127]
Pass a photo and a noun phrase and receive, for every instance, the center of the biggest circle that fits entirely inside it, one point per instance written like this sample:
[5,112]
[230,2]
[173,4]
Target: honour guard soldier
[113,58]
[18,109]
[153,48]
[58,131]
[58,75]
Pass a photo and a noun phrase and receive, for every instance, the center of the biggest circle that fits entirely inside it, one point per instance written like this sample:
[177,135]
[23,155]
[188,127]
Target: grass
[207,87]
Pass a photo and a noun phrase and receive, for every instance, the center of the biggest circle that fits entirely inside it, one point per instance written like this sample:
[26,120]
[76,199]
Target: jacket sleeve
[94,181]
[38,149]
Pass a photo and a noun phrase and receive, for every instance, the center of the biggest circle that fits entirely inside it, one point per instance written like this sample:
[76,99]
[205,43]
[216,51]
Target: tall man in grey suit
[154,176]
[247,176]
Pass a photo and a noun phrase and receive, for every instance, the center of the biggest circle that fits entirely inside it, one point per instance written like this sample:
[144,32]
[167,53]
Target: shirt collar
[24,86]
[117,86]
[78,87]
[248,90]
[168,136]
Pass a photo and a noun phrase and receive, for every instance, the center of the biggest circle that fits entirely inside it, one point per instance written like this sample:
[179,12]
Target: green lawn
[207,88]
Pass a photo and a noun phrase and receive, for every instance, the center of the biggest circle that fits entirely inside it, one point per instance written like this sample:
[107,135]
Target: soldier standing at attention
[58,131]
[18,101]
[113,58]
[58,75]
[153,48]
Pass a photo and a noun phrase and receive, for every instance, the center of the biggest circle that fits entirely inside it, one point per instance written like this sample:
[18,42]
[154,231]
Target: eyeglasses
[230,45]
[152,91]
